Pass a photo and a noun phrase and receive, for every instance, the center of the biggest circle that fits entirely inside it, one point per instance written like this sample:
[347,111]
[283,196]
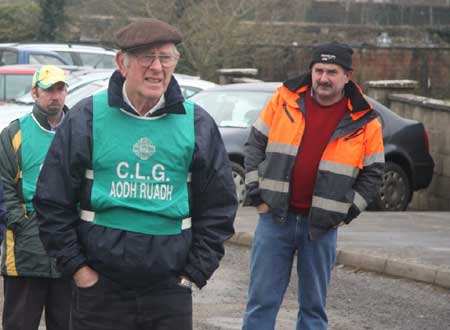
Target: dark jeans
[108,306]
[26,297]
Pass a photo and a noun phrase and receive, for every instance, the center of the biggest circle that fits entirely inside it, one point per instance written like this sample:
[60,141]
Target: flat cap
[144,32]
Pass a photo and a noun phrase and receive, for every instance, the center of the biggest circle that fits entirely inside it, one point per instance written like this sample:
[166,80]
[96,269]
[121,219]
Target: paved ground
[413,245]
[357,300]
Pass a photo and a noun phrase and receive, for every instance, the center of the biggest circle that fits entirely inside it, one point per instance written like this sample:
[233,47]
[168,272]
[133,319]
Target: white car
[81,83]
[191,85]
[84,83]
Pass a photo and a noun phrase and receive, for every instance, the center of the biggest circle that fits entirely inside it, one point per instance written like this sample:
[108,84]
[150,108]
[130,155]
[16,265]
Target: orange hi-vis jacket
[351,168]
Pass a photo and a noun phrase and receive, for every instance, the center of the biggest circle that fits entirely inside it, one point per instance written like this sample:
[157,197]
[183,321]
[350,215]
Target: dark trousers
[26,297]
[108,306]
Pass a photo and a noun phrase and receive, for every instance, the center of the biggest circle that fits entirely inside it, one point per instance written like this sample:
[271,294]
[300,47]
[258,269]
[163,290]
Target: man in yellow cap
[31,280]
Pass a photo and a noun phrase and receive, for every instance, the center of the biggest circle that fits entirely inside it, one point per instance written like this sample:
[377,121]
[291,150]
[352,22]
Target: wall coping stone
[421,101]
[404,83]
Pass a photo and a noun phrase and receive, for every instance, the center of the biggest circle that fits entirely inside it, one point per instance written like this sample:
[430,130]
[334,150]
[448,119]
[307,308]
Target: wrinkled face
[148,71]
[52,99]
[328,81]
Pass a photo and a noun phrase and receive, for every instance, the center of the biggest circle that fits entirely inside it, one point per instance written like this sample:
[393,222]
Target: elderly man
[314,161]
[31,280]
[136,196]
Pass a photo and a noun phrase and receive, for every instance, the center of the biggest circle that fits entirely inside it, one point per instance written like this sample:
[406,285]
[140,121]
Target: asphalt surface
[412,245]
[357,300]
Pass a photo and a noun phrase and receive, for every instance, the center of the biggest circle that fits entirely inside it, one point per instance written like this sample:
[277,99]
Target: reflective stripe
[189,178]
[186,223]
[330,205]
[251,177]
[274,185]
[359,201]
[89,216]
[282,148]
[17,140]
[89,174]
[261,127]
[10,253]
[375,158]
[338,168]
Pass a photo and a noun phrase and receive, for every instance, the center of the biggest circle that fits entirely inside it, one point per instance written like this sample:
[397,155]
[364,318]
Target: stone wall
[435,115]
[430,66]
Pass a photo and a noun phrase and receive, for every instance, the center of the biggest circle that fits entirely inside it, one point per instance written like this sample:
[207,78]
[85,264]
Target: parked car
[409,165]
[79,55]
[191,85]
[11,54]
[81,82]
[15,80]
[58,54]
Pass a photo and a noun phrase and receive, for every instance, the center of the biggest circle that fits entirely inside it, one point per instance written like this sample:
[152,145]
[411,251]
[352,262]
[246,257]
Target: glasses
[167,61]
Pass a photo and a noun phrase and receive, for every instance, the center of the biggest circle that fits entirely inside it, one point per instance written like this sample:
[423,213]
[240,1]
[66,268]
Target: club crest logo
[144,148]
[327,57]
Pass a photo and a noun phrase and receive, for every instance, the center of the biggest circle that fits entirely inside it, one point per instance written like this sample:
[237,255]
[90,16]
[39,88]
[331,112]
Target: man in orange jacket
[314,160]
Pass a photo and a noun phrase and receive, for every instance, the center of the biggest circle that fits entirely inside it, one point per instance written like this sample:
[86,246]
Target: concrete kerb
[391,267]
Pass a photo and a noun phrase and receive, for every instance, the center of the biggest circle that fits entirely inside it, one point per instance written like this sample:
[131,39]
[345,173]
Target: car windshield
[233,108]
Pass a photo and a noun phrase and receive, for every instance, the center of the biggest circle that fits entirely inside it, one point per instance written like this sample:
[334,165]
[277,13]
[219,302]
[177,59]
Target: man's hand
[262,208]
[85,277]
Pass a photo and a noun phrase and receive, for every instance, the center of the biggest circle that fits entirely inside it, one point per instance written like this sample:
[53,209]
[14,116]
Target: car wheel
[239,181]
[395,191]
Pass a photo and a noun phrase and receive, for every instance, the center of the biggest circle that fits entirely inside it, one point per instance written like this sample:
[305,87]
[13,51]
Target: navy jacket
[134,259]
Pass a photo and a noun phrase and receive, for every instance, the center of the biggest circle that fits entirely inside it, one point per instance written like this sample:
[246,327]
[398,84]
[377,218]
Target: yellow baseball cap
[48,75]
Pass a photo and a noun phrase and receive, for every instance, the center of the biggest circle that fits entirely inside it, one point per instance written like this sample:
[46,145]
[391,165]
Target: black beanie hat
[333,52]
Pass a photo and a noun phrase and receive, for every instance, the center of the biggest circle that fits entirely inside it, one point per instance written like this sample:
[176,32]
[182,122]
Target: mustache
[324,84]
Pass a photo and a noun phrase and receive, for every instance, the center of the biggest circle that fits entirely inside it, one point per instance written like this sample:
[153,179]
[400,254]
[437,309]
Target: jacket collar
[173,97]
[356,100]
[41,116]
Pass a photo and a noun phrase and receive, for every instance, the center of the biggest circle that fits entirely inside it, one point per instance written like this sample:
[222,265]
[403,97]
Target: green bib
[35,143]
[141,169]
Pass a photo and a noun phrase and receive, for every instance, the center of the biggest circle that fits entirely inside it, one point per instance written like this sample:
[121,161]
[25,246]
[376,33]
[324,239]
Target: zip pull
[287,113]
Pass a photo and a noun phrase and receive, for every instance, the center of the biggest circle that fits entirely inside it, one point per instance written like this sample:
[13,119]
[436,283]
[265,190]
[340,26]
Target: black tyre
[239,181]
[395,191]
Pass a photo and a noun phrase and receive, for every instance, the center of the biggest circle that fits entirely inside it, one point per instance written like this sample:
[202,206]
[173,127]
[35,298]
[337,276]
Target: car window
[189,91]
[101,61]
[2,87]
[13,86]
[8,57]
[44,59]
[233,108]
[67,57]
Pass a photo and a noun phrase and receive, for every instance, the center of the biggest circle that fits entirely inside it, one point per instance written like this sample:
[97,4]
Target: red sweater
[320,123]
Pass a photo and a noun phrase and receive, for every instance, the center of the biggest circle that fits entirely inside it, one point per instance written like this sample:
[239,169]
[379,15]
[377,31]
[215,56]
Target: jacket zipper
[354,134]
[287,113]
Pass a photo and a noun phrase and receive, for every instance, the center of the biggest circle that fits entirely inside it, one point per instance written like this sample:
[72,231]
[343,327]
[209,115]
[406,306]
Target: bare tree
[210,28]
[52,19]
